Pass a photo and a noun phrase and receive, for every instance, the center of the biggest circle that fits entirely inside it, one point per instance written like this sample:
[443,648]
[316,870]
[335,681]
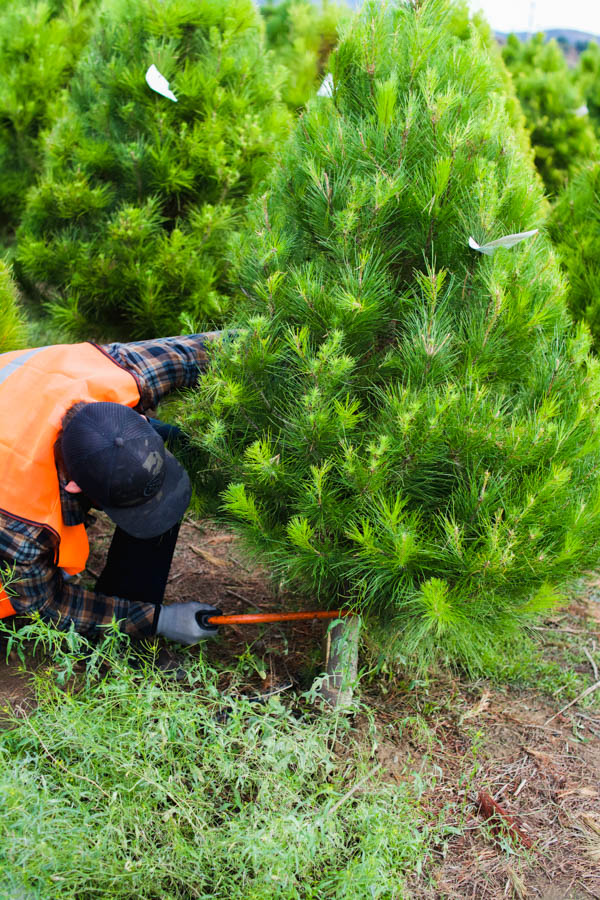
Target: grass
[551,660]
[566,672]
[125,784]
[559,657]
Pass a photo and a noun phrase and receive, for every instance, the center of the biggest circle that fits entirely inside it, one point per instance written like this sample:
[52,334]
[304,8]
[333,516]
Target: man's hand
[180,622]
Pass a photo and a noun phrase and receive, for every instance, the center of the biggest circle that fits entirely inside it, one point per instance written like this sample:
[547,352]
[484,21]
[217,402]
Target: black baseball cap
[121,464]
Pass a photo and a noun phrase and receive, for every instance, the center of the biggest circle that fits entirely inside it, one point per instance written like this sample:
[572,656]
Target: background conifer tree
[303,34]
[12,323]
[575,229]
[126,230]
[407,425]
[40,44]
[561,135]
[588,77]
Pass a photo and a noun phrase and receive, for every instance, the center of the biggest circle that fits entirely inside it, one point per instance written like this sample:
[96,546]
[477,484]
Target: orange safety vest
[37,387]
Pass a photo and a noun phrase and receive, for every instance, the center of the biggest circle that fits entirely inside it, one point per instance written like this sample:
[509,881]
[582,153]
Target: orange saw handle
[205,619]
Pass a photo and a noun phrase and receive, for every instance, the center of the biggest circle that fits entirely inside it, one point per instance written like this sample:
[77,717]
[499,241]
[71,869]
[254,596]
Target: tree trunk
[340,647]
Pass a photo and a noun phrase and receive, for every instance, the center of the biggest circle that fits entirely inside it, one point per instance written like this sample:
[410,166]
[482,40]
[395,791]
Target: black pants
[137,569]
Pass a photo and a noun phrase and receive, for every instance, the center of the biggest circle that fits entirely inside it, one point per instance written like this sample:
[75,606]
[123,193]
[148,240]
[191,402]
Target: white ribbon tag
[326,89]
[581,111]
[509,241]
[159,83]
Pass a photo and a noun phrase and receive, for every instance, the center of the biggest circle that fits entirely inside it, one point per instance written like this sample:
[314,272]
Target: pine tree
[302,34]
[561,134]
[407,425]
[125,232]
[588,77]
[39,47]
[12,323]
[575,229]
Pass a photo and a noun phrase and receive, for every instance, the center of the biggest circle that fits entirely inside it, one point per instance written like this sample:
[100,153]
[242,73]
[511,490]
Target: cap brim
[160,512]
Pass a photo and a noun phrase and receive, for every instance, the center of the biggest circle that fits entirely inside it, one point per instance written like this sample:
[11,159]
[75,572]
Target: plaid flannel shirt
[159,366]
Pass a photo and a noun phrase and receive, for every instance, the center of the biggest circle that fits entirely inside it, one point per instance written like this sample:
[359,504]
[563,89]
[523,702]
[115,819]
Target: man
[75,437]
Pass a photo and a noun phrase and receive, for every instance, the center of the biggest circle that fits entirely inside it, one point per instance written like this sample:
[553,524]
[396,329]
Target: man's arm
[163,365]
[40,586]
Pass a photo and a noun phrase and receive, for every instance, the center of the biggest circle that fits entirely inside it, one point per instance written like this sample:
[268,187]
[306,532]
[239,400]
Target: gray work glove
[182,622]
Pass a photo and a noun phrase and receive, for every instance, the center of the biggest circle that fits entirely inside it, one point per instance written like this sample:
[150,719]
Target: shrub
[575,228]
[39,47]
[302,35]
[408,426]
[561,136]
[12,324]
[126,230]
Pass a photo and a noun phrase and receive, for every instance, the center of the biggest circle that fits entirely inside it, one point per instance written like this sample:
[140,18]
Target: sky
[538,15]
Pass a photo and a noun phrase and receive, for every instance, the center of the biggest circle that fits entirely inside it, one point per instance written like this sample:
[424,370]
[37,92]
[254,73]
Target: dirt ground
[544,774]
[542,768]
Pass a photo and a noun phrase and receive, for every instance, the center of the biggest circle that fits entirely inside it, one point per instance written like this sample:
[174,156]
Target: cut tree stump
[340,650]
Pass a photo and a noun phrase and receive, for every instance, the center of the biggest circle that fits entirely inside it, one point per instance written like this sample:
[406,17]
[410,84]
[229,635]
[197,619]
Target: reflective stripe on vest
[9,368]
[37,387]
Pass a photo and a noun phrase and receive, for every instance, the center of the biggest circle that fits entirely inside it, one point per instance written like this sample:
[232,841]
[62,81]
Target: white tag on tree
[509,241]
[159,83]
[326,89]
[581,111]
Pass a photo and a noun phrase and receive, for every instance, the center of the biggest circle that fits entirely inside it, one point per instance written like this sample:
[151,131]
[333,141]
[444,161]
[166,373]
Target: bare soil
[542,768]
[545,775]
